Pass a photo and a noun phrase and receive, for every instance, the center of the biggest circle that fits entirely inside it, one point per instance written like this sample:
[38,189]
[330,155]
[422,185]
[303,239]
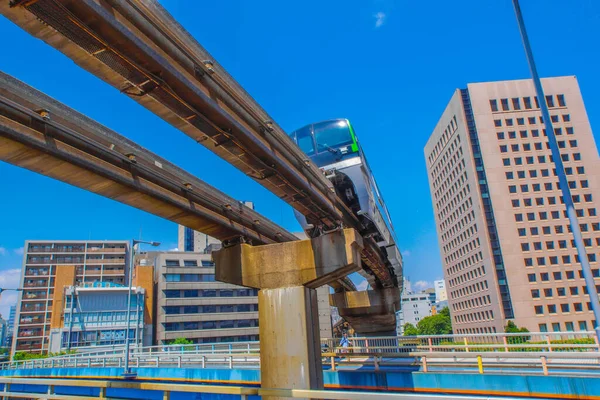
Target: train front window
[332,135]
[305,140]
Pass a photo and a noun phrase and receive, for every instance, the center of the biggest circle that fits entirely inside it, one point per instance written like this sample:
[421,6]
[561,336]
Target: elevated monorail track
[137,47]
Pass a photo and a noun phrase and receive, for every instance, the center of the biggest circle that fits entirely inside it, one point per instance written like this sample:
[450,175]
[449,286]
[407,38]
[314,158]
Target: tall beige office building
[506,246]
[50,266]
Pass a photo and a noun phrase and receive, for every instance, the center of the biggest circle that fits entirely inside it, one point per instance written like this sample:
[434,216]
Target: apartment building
[89,261]
[504,237]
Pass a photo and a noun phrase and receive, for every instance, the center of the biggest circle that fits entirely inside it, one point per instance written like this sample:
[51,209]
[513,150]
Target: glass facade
[487,206]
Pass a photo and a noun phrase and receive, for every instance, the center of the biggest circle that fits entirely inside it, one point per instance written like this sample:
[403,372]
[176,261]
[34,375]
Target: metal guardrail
[50,386]
[496,350]
[535,362]
[506,342]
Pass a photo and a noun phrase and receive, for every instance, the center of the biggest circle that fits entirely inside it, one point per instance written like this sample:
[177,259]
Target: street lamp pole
[127,374]
[560,172]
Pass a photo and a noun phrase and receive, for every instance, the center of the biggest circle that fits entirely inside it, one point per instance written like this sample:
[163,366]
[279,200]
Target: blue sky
[389,66]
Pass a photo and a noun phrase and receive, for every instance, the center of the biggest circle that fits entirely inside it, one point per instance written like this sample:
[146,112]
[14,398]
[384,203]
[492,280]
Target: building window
[531,277]
[548,292]
[516,103]
[550,101]
[500,135]
[561,100]
[556,326]
[190,263]
[497,123]
[535,293]
[494,105]
[172,263]
[568,325]
[527,102]
[504,103]
[551,308]
[538,310]
[544,277]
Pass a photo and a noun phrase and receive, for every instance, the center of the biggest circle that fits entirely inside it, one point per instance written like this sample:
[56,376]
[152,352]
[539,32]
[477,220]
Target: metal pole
[71,319]
[560,171]
[127,370]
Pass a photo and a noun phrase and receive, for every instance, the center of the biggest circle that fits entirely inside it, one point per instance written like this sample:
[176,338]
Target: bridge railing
[503,342]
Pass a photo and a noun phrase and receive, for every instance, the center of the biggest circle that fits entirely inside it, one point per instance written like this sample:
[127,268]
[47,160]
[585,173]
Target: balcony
[95,261]
[37,308]
[41,296]
[114,272]
[38,320]
[28,334]
[106,250]
[41,283]
[33,347]
[36,272]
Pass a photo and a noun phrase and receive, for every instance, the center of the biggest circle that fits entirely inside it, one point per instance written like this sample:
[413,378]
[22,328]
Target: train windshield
[332,135]
[305,140]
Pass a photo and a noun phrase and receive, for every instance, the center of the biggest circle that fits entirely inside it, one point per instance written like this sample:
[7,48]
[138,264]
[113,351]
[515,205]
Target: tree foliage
[410,329]
[181,341]
[438,324]
[511,327]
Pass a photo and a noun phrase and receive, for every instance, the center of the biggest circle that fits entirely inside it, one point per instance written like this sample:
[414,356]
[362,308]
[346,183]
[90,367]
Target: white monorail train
[333,147]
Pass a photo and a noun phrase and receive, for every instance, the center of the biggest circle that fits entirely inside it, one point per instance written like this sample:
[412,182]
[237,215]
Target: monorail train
[332,145]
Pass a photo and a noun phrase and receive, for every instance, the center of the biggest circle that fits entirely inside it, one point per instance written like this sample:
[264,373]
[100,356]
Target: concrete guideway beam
[288,275]
[370,312]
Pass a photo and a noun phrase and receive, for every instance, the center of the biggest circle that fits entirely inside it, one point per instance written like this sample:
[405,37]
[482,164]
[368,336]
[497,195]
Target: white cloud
[174,249]
[9,279]
[379,19]
[421,285]
[406,253]
[364,285]
[2,251]
[19,251]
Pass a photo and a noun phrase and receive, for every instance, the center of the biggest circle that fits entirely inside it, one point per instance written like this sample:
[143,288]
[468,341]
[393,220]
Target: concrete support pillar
[290,352]
[287,275]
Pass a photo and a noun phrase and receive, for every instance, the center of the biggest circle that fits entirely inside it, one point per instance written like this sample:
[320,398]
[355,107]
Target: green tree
[410,329]
[511,327]
[181,341]
[438,324]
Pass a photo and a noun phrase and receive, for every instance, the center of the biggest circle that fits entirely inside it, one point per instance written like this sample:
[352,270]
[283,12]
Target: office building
[95,314]
[415,307]
[49,266]
[505,240]
[3,331]
[194,241]
[440,291]
[190,304]
[10,327]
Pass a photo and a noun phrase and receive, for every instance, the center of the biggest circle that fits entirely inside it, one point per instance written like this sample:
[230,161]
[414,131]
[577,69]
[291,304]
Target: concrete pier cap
[311,263]
[370,312]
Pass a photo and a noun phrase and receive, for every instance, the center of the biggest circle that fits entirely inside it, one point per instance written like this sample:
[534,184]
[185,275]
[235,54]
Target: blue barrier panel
[468,383]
